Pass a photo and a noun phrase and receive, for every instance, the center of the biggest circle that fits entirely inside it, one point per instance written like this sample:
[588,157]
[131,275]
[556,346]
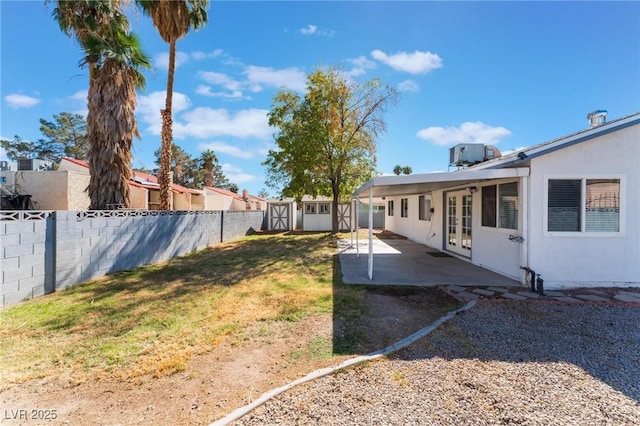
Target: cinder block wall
[71,247]
[26,244]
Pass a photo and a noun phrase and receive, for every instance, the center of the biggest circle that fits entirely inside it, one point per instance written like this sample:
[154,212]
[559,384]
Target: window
[404,207]
[424,207]
[324,208]
[310,208]
[583,205]
[489,200]
[508,205]
[500,206]
[390,207]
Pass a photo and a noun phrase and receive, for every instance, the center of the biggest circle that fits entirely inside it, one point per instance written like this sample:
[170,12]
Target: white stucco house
[566,209]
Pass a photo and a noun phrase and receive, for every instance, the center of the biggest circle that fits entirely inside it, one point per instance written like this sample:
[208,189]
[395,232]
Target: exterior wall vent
[597,117]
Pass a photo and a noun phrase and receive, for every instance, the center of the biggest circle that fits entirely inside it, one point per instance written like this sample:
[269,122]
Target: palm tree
[114,57]
[208,158]
[173,19]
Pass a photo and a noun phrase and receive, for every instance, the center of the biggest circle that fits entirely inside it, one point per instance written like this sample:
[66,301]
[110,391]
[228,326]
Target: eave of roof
[422,183]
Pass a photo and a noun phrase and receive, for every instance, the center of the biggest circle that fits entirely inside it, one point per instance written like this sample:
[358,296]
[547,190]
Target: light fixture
[472,189]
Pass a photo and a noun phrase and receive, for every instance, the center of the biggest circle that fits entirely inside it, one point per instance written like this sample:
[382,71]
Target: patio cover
[383,186]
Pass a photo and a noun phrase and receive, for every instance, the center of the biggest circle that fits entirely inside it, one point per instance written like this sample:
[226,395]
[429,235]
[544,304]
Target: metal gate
[279,217]
[344,217]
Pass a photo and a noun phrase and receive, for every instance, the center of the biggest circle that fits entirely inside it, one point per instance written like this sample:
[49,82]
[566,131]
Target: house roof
[510,165]
[224,192]
[421,183]
[524,155]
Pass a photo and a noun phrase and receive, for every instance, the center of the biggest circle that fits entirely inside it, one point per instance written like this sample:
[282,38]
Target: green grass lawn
[150,320]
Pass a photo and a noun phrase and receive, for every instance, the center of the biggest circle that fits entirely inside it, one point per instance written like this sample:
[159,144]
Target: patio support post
[357,228]
[371,233]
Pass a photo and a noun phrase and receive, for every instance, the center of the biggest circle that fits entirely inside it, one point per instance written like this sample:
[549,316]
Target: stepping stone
[529,294]
[455,288]
[498,289]
[513,296]
[483,292]
[629,293]
[554,293]
[566,299]
[468,296]
[623,297]
[592,298]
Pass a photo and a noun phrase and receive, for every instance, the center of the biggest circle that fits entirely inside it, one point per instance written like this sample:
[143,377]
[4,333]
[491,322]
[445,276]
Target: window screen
[602,205]
[508,205]
[390,209]
[404,207]
[564,205]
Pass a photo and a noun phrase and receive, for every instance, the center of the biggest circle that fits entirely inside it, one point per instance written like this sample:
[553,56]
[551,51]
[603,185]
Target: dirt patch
[266,355]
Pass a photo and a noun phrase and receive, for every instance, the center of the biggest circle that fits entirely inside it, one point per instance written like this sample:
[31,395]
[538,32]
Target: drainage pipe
[242,411]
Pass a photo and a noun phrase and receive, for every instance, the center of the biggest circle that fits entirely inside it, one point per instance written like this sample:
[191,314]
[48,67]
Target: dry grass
[151,320]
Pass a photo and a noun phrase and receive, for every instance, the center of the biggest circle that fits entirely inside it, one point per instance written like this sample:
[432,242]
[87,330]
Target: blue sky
[509,74]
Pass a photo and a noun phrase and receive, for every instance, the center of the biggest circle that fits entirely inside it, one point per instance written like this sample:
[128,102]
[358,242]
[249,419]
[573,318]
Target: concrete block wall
[70,247]
[26,243]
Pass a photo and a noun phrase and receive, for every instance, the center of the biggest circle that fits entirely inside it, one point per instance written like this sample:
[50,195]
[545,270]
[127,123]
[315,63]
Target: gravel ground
[499,363]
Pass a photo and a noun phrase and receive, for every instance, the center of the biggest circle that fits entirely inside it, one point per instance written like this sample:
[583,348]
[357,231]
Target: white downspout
[371,233]
[524,247]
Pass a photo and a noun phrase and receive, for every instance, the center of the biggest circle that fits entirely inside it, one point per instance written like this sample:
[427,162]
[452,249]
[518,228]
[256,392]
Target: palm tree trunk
[167,134]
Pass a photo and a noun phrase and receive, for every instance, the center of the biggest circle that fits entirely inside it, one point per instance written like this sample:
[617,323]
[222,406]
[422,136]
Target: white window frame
[498,228]
[404,207]
[425,206]
[310,208]
[582,233]
[324,208]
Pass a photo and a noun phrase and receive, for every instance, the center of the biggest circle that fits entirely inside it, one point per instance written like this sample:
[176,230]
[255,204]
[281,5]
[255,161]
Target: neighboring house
[221,199]
[49,190]
[567,209]
[316,214]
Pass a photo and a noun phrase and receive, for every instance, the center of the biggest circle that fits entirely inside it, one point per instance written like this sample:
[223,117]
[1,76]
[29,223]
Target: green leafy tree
[398,170]
[232,187]
[185,168]
[326,140]
[263,193]
[19,148]
[172,19]
[66,135]
[114,57]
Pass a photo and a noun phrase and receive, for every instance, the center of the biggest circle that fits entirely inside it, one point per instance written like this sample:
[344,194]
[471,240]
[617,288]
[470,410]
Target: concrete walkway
[404,262]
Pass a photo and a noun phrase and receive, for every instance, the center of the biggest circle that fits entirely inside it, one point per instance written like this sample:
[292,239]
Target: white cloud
[149,107]
[236,174]
[313,30]
[161,60]
[293,78]
[16,100]
[309,29]
[80,97]
[408,86]
[361,65]
[468,132]
[225,148]
[206,91]
[205,122]
[414,63]
[198,55]
[220,79]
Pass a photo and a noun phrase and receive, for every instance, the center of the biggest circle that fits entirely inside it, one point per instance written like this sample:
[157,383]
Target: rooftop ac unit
[466,154]
[33,164]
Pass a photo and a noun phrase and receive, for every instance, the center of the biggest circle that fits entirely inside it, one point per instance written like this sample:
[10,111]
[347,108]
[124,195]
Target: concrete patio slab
[404,262]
